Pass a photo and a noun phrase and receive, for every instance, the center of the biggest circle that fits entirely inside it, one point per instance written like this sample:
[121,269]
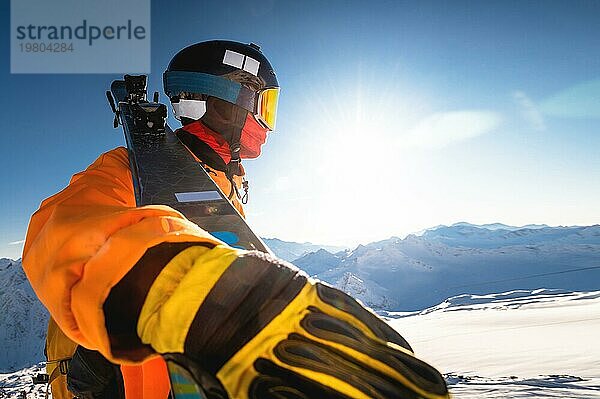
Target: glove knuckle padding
[266,330]
[254,289]
[318,343]
[336,352]
[341,300]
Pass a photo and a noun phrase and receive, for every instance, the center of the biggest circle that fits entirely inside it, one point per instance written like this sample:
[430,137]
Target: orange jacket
[84,239]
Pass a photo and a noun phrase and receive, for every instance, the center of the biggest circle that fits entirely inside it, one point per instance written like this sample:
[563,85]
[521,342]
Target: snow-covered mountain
[407,274]
[290,251]
[23,319]
[422,270]
[318,262]
[498,235]
[491,226]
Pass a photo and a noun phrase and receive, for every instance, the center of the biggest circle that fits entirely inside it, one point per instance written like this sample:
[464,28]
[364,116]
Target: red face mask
[253,137]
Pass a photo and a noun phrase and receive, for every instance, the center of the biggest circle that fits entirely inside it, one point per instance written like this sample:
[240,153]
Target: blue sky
[394,116]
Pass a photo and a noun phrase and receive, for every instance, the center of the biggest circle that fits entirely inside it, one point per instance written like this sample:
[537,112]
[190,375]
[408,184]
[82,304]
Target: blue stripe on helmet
[176,82]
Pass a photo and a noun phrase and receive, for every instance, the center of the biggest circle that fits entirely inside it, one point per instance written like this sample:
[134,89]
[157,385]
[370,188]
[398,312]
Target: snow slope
[19,385]
[23,319]
[519,344]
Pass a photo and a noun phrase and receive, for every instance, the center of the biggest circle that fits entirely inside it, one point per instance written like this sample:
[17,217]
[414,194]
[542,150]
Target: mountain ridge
[395,274]
[420,271]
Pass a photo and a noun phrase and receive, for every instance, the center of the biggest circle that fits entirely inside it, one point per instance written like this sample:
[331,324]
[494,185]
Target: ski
[164,171]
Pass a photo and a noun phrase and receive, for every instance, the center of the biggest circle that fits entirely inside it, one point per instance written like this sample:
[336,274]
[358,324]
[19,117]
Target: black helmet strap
[233,167]
[228,120]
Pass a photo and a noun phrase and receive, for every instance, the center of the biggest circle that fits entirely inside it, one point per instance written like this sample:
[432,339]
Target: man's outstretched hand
[249,326]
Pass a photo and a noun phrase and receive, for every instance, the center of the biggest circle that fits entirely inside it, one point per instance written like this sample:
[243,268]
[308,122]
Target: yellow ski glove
[246,325]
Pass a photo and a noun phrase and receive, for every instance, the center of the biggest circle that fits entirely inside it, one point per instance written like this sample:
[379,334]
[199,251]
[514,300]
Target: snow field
[536,346]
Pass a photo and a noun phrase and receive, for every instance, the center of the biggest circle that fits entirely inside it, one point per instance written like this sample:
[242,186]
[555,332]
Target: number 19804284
[40,47]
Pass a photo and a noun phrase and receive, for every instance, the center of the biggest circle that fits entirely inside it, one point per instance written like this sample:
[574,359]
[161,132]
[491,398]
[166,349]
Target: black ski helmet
[235,72]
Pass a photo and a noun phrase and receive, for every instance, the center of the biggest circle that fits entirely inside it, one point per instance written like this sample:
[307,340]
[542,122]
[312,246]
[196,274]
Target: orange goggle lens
[267,107]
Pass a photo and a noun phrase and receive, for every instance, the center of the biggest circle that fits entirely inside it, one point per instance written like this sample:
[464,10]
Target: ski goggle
[266,107]
[262,104]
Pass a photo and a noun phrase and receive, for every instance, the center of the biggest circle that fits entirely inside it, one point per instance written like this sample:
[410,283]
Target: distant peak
[486,226]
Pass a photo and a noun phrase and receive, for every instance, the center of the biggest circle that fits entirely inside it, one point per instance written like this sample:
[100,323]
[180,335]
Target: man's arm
[84,239]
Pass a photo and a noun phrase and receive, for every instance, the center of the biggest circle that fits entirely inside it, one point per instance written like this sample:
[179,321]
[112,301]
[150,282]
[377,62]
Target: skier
[129,284]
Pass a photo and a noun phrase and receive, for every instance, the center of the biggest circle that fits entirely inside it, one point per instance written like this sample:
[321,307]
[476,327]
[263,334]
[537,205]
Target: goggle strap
[176,82]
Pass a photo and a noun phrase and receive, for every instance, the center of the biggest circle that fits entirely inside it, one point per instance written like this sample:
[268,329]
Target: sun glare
[358,129]
[355,144]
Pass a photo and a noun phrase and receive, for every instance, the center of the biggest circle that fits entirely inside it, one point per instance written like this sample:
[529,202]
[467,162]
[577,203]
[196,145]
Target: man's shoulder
[115,162]
[118,152]
[115,157]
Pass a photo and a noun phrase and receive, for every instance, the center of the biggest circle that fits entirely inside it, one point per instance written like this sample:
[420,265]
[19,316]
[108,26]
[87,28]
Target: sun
[357,174]
[357,127]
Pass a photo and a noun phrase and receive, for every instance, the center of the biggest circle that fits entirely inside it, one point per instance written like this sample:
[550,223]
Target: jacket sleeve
[83,240]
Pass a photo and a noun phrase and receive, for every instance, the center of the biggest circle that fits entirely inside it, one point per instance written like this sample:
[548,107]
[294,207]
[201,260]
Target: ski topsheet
[166,173]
